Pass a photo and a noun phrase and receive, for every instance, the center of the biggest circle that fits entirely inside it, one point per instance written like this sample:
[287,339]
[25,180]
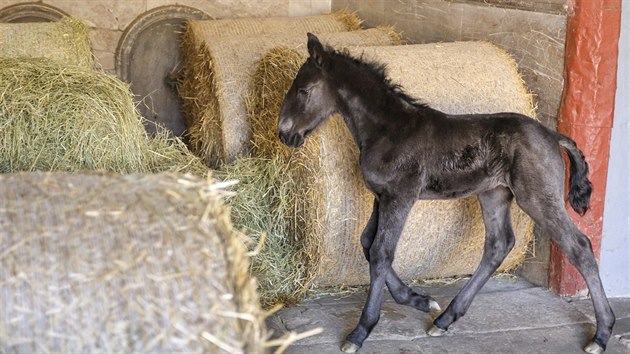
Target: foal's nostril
[292,140]
[284,138]
[296,140]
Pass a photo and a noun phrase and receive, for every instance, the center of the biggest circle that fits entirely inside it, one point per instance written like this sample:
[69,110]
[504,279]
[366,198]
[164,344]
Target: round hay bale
[110,263]
[218,128]
[441,238]
[216,73]
[56,117]
[337,21]
[65,41]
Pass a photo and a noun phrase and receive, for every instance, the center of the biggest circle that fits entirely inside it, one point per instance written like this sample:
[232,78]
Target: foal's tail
[580,187]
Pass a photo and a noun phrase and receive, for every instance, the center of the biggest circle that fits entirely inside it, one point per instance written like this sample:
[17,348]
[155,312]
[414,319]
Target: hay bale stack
[66,41]
[441,238]
[217,70]
[58,117]
[109,263]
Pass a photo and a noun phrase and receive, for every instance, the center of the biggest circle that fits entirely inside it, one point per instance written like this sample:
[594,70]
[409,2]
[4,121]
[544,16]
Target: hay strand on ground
[441,238]
[65,41]
[110,263]
[56,117]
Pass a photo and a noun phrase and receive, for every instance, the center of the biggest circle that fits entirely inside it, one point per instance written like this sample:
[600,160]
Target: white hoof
[593,348]
[434,307]
[435,331]
[349,347]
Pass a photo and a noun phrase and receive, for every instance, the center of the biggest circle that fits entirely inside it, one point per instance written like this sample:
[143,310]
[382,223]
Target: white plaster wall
[615,251]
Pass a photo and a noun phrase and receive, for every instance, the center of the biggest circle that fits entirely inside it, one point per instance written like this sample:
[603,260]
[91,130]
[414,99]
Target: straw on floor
[110,263]
[66,41]
[441,238]
[59,117]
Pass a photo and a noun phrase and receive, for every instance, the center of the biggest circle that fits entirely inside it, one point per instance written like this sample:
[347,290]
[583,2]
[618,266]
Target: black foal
[410,151]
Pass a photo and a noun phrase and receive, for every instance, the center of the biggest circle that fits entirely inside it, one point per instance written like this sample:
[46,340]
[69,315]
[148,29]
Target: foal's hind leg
[495,205]
[542,199]
[555,222]
[579,251]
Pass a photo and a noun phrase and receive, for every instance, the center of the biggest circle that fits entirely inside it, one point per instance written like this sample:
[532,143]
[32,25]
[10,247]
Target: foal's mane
[379,72]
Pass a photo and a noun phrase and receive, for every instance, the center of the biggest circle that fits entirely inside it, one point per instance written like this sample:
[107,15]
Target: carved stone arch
[30,12]
[148,57]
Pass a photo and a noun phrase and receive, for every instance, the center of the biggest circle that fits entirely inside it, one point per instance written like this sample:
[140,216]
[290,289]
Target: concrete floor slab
[508,316]
[620,306]
[564,339]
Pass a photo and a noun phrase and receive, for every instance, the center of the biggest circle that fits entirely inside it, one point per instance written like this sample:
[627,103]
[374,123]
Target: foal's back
[453,156]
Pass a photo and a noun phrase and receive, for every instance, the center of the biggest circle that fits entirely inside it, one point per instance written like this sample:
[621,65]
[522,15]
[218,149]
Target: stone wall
[109,18]
[532,31]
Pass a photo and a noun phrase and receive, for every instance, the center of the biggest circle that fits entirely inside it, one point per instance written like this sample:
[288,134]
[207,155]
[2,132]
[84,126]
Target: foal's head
[310,100]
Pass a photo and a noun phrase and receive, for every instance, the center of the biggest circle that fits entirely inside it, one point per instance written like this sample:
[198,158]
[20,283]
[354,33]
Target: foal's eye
[303,91]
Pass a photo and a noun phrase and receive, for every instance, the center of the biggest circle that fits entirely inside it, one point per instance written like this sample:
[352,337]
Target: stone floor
[509,315]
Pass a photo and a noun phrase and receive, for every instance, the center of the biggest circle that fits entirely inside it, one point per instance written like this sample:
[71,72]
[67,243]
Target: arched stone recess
[149,58]
[30,12]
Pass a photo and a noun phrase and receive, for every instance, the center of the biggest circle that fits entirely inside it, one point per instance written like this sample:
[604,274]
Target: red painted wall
[586,115]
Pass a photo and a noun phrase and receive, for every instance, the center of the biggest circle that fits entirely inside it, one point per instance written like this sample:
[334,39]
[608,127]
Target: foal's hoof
[436,331]
[349,347]
[434,307]
[593,348]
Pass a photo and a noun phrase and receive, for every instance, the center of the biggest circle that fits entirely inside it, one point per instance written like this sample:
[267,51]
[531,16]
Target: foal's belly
[458,185]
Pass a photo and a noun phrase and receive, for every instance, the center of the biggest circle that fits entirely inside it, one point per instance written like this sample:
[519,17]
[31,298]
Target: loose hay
[65,41]
[217,71]
[57,117]
[109,263]
[441,238]
[264,206]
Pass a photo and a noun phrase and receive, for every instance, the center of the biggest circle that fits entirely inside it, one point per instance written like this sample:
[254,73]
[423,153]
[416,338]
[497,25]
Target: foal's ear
[315,49]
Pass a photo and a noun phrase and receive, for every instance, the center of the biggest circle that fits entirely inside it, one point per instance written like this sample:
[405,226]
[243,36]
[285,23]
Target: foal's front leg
[392,214]
[401,293]
[367,237]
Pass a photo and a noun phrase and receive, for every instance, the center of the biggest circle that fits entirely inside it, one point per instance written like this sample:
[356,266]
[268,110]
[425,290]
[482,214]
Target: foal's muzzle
[292,140]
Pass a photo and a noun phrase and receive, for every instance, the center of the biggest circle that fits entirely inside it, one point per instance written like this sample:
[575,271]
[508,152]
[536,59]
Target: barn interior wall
[108,19]
[532,31]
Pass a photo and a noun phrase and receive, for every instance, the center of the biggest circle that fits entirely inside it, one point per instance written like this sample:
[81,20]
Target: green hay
[264,206]
[66,41]
[68,118]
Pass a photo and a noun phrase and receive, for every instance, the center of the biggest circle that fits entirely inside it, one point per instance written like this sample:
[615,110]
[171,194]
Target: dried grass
[217,71]
[441,238]
[268,206]
[65,41]
[56,117]
[109,263]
